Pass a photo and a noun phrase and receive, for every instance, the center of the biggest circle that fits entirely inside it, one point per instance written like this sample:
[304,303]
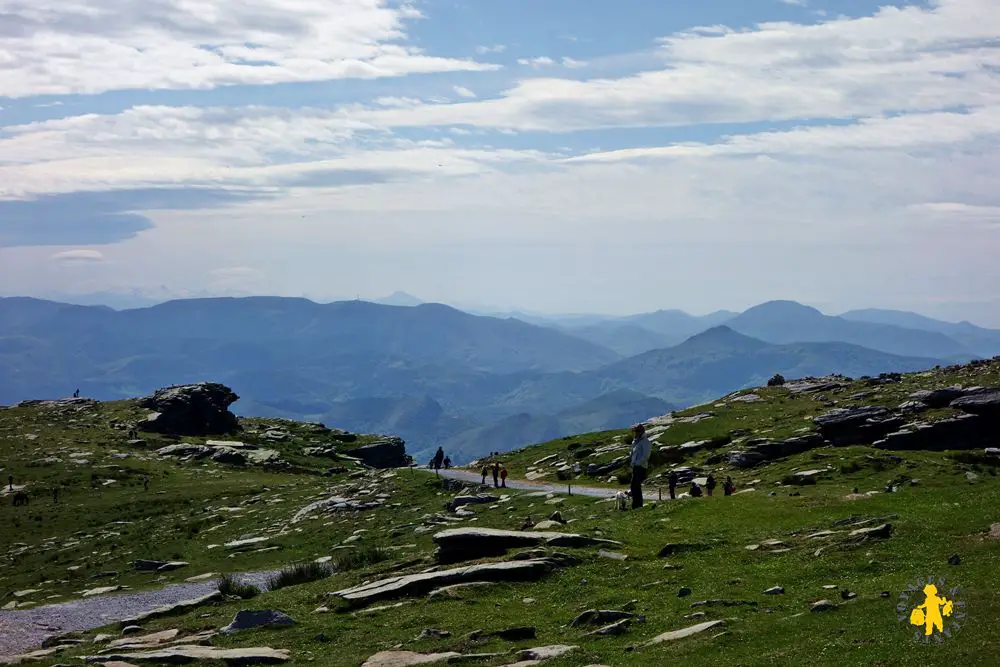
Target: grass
[299,573]
[232,585]
[942,514]
[363,556]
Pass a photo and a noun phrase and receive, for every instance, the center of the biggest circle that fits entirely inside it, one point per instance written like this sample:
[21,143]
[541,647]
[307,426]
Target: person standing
[728,487]
[710,484]
[672,481]
[503,477]
[496,474]
[438,460]
[641,449]
[486,471]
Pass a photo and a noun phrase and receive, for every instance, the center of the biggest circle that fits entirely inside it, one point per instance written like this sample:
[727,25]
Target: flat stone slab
[155,638]
[458,544]
[179,655]
[407,658]
[246,619]
[545,652]
[674,635]
[166,610]
[414,585]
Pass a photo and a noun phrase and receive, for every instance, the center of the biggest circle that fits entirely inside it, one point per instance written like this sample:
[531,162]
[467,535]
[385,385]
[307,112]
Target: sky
[553,156]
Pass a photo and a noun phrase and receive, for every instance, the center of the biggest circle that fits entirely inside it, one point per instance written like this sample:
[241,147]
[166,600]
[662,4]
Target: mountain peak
[399,298]
[782,308]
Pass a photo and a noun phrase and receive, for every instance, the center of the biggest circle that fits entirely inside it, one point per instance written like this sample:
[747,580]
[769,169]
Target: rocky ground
[811,562]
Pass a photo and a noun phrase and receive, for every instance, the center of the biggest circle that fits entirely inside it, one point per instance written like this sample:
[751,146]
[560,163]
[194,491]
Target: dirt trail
[22,631]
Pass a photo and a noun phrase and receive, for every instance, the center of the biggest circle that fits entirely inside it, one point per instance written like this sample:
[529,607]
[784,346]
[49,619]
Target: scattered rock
[408,658]
[775,590]
[148,565]
[510,634]
[954,559]
[674,635]
[433,633]
[169,567]
[246,619]
[882,532]
[612,630]
[612,555]
[823,605]
[679,548]
[420,584]
[183,654]
[684,592]
[459,544]
[131,629]
[599,616]
[545,652]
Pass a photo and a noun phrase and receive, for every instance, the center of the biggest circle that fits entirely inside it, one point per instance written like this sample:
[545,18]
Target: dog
[622,499]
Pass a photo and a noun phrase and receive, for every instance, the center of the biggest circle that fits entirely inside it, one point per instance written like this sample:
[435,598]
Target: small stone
[848,595]
[246,619]
[434,633]
[131,630]
[885,594]
[775,590]
[954,559]
[684,592]
[823,605]
[528,600]
[321,638]
[612,555]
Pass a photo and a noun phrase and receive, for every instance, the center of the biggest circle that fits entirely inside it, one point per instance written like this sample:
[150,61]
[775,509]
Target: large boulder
[985,404]
[191,409]
[966,431]
[857,426]
[387,453]
[459,544]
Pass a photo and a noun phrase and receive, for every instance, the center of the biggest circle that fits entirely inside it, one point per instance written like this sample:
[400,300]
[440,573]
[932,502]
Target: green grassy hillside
[810,540]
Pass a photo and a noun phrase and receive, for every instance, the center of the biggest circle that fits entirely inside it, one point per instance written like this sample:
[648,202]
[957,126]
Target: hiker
[503,477]
[145,483]
[10,482]
[438,460]
[710,484]
[672,481]
[728,487]
[76,394]
[641,449]
[55,494]
[695,490]
[447,462]
[486,471]
[496,474]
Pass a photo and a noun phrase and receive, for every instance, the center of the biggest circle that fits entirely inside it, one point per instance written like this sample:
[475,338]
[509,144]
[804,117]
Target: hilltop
[804,565]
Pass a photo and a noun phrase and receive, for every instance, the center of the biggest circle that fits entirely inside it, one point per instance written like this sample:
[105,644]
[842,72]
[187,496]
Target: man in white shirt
[641,449]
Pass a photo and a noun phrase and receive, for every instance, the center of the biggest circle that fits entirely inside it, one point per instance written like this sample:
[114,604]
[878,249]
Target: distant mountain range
[437,375]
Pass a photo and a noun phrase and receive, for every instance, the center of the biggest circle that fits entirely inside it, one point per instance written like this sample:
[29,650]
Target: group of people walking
[499,472]
[642,448]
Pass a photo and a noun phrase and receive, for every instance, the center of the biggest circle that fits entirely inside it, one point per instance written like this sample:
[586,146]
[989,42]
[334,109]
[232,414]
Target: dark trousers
[638,477]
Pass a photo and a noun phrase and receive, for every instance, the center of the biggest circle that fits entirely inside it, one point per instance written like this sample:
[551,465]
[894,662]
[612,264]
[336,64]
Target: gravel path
[22,631]
[561,487]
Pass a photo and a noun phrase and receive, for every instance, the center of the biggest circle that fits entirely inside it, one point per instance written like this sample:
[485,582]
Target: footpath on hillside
[524,485]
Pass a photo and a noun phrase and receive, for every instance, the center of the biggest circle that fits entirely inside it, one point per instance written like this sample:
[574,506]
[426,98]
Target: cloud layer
[837,140]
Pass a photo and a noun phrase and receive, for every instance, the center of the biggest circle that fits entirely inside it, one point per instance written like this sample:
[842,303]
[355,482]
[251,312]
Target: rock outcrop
[857,426]
[191,409]
[420,584]
[387,453]
[460,544]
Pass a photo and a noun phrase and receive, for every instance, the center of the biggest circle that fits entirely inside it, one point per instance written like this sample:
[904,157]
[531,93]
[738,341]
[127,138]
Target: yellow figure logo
[931,613]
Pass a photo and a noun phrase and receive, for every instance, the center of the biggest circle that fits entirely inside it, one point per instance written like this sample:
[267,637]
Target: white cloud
[898,60]
[497,48]
[77,46]
[573,64]
[796,3]
[536,63]
[79,255]
[462,91]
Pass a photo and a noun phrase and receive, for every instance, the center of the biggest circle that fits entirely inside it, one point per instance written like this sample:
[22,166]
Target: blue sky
[552,155]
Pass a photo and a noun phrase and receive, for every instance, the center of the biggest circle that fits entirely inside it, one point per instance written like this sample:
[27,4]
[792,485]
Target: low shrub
[299,573]
[231,585]
[363,556]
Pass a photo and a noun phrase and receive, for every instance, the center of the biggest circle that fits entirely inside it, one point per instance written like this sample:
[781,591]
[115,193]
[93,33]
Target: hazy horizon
[566,156]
